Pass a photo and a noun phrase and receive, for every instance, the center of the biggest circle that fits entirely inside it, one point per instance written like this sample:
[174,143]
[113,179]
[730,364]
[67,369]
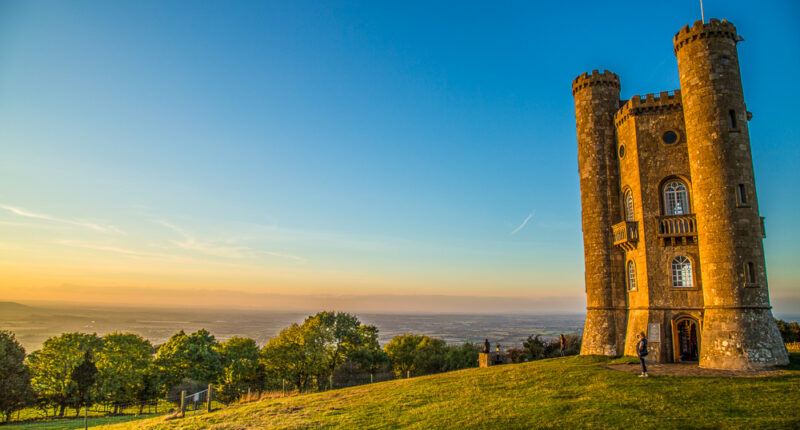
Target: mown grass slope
[558,393]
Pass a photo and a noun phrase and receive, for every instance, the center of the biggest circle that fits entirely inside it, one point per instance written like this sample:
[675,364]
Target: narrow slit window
[750,273]
[732,117]
[741,194]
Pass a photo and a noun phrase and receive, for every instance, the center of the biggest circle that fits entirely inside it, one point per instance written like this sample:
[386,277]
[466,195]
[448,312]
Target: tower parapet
[715,28]
[595,78]
[649,103]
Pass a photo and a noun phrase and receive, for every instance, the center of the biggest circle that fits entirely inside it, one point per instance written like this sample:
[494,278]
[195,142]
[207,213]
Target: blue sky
[339,148]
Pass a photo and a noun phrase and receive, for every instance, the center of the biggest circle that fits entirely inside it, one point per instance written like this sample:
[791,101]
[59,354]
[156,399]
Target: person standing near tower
[641,351]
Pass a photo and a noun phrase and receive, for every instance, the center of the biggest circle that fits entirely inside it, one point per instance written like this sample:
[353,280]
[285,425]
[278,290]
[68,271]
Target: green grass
[557,393]
[34,418]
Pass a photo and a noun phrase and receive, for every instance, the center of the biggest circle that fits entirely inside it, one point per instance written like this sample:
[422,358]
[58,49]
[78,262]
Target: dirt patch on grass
[685,369]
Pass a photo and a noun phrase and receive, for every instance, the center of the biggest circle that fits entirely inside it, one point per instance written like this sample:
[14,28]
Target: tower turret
[596,100]
[738,328]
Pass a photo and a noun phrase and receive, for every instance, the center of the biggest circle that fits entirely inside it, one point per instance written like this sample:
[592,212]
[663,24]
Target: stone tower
[672,232]
[739,330]
[596,100]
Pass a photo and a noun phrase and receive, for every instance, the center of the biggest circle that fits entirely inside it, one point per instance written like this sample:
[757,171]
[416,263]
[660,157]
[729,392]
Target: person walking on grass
[641,351]
[563,343]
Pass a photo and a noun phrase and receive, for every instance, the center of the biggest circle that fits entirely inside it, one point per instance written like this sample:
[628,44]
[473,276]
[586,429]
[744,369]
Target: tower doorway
[685,340]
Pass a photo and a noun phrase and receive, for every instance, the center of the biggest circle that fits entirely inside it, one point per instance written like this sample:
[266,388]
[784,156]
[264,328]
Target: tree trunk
[61,410]
[141,406]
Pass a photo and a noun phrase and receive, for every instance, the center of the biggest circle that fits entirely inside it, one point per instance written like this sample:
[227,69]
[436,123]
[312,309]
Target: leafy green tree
[402,352]
[369,357]
[430,356]
[53,369]
[297,355]
[461,357]
[242,368]
[85,376]
[312,352]
[344,338]
[15,380]
[194,357]
[123,363]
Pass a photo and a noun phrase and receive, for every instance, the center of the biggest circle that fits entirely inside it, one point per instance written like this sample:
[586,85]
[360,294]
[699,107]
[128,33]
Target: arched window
[682,272]
[676,198]
[629,216]
[631,275]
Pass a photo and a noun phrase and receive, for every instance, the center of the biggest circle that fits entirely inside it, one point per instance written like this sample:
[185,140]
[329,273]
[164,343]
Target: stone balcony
[677,229]
[626,234]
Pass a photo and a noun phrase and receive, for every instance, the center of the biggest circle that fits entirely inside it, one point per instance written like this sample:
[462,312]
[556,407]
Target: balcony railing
[626,234]
[677,226]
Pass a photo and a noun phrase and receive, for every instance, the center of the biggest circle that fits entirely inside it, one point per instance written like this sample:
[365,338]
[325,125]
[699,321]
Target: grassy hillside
[560,393]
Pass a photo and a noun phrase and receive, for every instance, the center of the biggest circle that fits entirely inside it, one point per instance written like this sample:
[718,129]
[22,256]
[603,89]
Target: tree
[416,354]
[401,351]
[15,380]
[53,369]
[194,358]
[242,369]
[312,352]
[344,338]
[369,357]
[461,357]
[298,355]
[123,363]
[85,376]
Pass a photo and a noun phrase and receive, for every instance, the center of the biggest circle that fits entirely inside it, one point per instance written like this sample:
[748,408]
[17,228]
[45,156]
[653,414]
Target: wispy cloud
[223,248]
[106,248]
[524,223]
[78,223]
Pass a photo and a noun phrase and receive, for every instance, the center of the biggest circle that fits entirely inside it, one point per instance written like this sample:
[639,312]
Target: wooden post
[408,374]
[283,388]
[210,394]
[371,377]
[183,403]
[86,417]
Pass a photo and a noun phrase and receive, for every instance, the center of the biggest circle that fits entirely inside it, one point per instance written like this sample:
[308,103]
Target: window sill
[684,288]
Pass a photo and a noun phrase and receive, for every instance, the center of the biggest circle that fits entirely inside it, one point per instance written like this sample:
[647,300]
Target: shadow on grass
[794,361]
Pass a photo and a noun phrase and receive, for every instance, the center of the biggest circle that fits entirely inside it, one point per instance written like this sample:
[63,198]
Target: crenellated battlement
[596,78]
[700,30]
[648,103]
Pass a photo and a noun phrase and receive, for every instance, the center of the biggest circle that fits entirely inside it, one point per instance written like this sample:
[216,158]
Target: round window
[669,137]
[621,151]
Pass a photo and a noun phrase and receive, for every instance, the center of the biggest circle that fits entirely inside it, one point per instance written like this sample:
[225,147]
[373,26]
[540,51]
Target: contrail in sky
[524,223]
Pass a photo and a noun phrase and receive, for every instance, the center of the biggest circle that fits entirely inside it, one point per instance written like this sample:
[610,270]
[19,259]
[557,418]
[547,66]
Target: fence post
[210,393]
[183,403]
[283,387]
[371,375]
[408,374]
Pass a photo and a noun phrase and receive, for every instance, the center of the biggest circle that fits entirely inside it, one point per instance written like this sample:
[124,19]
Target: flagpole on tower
[702,15]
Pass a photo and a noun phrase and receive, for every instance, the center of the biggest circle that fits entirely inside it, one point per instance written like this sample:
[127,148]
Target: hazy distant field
[33,325]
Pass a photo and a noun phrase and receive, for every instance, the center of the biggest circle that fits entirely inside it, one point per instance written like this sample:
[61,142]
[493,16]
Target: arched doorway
[685,340]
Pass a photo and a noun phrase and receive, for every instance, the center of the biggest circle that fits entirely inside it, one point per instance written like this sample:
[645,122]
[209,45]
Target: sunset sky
[281,154]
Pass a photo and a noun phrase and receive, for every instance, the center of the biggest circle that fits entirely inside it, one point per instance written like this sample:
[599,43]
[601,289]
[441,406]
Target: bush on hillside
[790,331]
